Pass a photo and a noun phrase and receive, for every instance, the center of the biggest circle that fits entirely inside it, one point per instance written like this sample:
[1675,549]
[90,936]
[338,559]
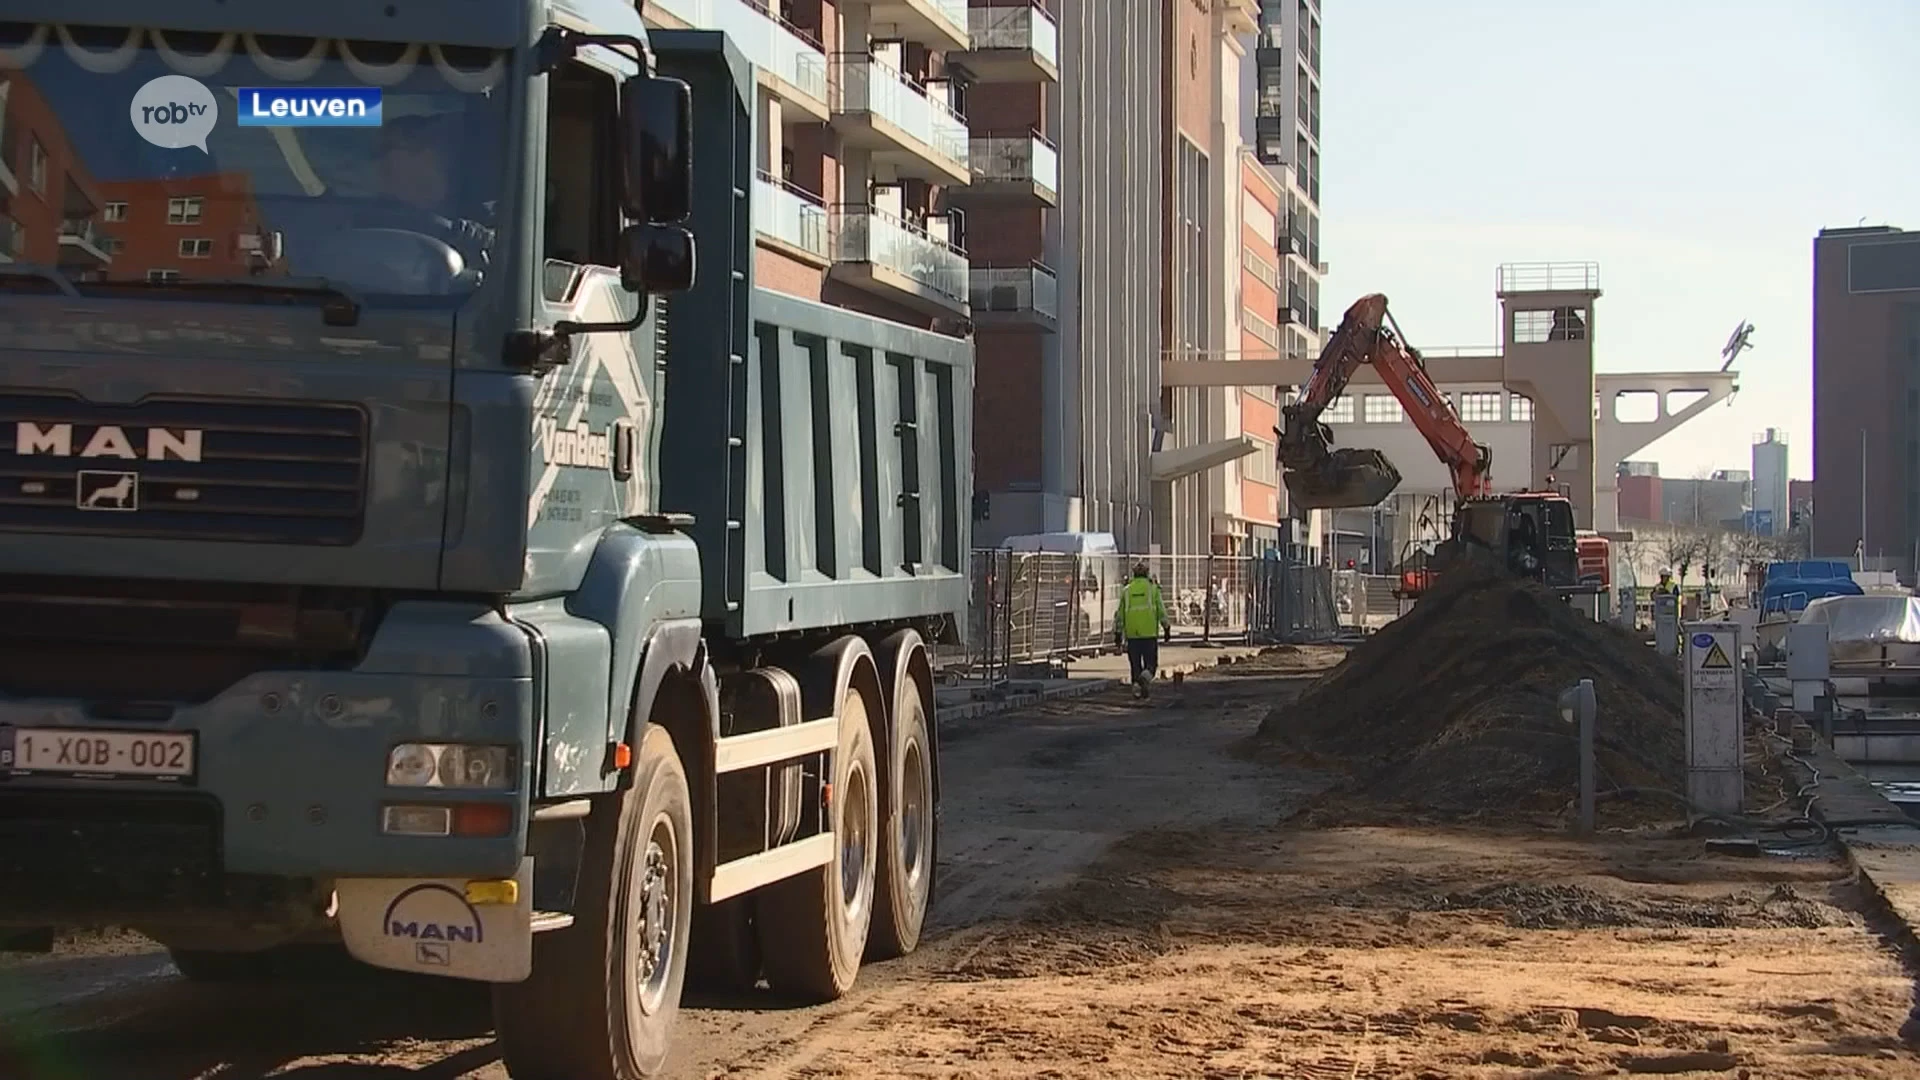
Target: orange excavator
[1529,533]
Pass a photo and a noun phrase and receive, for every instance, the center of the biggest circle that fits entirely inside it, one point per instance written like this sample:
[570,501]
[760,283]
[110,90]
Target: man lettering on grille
[1140,622]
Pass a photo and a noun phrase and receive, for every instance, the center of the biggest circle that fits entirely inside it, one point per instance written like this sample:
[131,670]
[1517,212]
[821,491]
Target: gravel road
[1124,895]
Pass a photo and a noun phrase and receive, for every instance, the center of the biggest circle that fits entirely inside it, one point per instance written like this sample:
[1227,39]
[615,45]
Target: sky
[1692,148]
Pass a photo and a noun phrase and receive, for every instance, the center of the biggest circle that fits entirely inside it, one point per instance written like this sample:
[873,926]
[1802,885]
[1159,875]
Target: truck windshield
[137,155]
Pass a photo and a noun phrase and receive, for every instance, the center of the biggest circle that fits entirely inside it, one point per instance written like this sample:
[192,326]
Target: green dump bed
[826,456]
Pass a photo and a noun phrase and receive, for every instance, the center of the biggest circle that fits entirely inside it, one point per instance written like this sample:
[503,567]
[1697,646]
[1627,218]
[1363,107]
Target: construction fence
[1031,610]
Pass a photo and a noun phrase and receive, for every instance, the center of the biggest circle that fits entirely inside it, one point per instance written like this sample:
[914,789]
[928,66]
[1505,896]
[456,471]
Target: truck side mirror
[656,123]
[656,259]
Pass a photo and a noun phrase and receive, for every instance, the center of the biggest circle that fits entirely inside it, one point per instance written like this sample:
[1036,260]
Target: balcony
[1012,45]
[1016,296]
[891,115]
[789,63]
[80,244]
[790,220]
[898,261]
[1011,171]
[13,241]
[1242,16]
[938,24]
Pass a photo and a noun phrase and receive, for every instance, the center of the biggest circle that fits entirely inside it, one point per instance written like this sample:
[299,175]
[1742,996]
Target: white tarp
[1862,627]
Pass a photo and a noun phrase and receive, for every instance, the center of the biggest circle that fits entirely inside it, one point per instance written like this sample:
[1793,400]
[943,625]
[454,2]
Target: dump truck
[1529,533]
[403,548]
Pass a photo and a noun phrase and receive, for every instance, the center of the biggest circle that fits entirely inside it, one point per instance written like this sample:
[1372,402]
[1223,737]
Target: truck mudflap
[451,927]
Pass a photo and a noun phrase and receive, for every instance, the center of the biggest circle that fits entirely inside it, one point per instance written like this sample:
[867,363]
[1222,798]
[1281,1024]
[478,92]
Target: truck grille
[266,472]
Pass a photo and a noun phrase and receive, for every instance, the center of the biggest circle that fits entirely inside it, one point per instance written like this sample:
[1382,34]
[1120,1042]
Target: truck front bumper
[289,788]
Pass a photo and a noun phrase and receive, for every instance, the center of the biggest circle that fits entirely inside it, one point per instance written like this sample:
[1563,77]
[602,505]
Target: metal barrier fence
[1041,608]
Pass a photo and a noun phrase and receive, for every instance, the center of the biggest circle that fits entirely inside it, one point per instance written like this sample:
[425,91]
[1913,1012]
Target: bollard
[1577,706]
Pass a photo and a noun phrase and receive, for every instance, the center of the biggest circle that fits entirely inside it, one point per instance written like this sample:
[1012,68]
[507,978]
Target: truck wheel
[906,837]
[207,966]
[813,927]
[604,992]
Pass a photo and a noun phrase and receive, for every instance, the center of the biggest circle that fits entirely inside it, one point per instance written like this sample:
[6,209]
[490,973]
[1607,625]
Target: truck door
[596,431]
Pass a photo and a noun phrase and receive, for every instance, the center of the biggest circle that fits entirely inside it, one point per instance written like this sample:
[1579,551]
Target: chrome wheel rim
[856,885]
[914,800]
[659,894]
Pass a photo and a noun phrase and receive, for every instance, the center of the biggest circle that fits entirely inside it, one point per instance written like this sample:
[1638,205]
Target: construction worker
[1667,586]
[1140,621]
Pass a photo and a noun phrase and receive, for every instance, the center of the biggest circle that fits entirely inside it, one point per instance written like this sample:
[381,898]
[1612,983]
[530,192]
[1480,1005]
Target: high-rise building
[1770,506]
[1062,227]
[859,135]
[1866,393]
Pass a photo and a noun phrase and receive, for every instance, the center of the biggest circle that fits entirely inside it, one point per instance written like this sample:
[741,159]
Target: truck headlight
[450,765]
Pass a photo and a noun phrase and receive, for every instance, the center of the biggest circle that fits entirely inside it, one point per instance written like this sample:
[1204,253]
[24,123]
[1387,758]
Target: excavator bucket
[1345,478]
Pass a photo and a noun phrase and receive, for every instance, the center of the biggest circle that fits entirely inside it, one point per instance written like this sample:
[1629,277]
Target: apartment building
[860,133]
[1011,213]
[1202,299]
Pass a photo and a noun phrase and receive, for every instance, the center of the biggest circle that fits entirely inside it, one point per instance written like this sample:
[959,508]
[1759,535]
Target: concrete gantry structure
[1545,361]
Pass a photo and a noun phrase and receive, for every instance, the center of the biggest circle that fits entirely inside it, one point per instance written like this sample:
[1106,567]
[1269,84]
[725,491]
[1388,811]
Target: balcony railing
[792,216]
[769,41]
[78,228]
[1015,289]
[862,234]
[1026,28]
[954,11]
[1016,158]
[870,86]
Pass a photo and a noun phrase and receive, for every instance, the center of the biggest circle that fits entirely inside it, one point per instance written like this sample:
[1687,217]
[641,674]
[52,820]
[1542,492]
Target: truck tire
[905,864]
[208,966]
[601,1002]
[813,927]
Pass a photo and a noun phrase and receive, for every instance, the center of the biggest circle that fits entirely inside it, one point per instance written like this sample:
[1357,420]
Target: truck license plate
[147,755]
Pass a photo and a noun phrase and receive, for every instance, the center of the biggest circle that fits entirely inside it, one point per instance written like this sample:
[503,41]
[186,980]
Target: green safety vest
[1141,613]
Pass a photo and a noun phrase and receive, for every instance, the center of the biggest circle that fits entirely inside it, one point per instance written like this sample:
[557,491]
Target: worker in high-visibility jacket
[1666,586]
[1140,621]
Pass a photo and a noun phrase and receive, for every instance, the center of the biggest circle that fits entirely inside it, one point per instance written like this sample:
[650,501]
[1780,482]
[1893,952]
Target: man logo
[100,490]
[107,441]
[435,918]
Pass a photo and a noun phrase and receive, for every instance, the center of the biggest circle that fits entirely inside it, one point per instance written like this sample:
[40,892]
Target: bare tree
[1712,548]
[1678,549]
[1750,548]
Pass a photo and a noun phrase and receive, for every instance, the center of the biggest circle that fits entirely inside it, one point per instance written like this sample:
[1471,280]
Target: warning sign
[1716,659]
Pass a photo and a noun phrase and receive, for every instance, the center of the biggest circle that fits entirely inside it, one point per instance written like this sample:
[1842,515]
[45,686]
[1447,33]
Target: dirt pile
[1454,706]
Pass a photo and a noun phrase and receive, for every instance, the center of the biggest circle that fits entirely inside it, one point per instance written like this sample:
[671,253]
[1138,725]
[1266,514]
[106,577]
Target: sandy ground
[1123,896]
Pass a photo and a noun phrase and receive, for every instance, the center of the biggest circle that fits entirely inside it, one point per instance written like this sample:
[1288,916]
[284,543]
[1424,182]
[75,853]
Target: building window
[1382,409]
[1482,407]
[1259,466]
[1263,271]
[1261,393]
[114,211]
[196,248]
[185,211]
[1262,328]
[1522,411]
[1558,324]
[36,166]
[163,275]
[1340,412]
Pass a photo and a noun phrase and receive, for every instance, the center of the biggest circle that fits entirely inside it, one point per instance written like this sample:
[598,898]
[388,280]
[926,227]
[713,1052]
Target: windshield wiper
[342,306]
[46,275]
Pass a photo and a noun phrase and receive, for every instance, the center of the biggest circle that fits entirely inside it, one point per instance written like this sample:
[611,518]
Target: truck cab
[360,581]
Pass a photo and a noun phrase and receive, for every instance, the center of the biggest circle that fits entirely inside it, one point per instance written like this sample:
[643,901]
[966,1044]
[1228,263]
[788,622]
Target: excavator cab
[1530,534]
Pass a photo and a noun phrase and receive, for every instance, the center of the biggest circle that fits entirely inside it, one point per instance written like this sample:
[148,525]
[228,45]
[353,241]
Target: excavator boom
[1319,477]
